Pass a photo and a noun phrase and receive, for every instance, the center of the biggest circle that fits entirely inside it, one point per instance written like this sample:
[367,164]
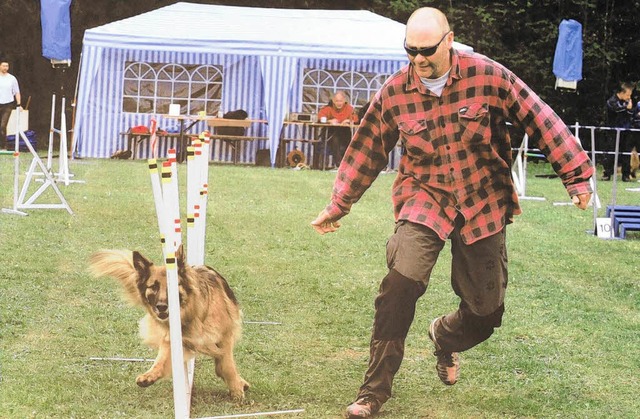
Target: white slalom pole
[180,400]
[251,415]
[170,193]
[163,226]
[51,131]
[171,202]
[63,164]
[192,204]
[16,172]
[201,224]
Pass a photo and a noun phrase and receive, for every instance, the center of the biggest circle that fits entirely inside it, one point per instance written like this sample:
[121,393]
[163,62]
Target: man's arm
[552,137]
[365,157]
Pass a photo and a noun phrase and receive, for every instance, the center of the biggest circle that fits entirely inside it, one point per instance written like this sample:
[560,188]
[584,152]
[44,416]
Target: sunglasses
[425,52]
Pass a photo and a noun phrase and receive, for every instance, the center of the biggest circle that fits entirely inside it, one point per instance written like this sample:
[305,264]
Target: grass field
[569,346]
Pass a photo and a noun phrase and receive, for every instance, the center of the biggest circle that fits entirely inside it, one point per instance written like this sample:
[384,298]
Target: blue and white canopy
[261,49]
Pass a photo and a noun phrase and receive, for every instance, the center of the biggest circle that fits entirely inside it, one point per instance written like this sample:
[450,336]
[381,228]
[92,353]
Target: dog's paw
[145,380]
[237,395]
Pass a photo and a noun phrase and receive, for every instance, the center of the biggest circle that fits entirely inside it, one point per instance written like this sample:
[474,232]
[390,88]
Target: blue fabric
[56,29]
[567,62]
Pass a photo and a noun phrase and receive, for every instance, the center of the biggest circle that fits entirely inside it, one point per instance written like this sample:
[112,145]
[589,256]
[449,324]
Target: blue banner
[567,62]
[56,29]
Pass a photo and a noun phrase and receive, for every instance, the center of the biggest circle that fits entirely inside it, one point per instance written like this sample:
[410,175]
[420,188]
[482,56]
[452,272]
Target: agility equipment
[20,200]
[164,185]
[519,171]
[63,174]
[166,199]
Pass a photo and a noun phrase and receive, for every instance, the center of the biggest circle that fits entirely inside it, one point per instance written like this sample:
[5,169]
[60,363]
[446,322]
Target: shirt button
[448,147]
[451,169]
[442,124]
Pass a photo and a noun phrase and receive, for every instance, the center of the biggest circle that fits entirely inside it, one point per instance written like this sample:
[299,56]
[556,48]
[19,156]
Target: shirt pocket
[416,138]
[474,120]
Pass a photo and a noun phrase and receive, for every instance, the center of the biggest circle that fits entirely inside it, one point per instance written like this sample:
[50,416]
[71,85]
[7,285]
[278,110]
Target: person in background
[9,99]
[337,112]
[449,109]
[619,115]
[634,138]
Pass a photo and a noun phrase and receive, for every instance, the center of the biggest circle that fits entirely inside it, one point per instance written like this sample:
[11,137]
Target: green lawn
[569,346]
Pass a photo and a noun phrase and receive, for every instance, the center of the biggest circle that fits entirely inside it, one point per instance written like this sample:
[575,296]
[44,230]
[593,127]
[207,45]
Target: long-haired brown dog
[211,317]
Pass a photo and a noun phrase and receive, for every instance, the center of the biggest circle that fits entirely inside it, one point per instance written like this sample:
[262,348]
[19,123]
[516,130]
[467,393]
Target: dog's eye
[155,286]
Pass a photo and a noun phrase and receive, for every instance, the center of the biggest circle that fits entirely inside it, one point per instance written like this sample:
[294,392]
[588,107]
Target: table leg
[180,143]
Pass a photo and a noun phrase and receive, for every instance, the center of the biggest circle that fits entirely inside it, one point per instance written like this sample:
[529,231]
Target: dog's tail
[117,264]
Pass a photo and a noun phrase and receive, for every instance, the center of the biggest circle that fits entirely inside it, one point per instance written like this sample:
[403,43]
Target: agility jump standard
[19,197]
[63,173]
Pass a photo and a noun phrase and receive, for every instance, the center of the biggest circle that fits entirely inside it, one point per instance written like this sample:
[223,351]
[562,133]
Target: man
[337,112]
[8,90]
[449,110]
[619,115]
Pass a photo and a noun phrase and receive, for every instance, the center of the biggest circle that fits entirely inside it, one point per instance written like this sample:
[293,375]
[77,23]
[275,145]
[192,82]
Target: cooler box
[31,136]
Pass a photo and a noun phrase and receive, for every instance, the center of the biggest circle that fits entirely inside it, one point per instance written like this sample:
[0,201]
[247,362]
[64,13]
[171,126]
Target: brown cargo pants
[478,277]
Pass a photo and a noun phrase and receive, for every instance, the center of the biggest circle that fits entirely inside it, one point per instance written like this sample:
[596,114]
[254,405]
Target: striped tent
[262,51]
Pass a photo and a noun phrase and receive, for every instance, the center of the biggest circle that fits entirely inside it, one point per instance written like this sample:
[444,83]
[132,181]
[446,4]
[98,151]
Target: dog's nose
[162,308]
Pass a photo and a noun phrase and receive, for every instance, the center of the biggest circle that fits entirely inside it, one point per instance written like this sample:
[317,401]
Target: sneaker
[364,407]
[625,179]
[448,364]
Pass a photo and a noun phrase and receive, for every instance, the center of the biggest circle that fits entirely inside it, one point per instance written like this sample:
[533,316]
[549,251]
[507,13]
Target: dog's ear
[142,265]
[181,259]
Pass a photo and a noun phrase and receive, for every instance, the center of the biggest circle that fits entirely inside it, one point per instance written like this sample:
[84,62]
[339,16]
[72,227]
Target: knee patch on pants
[395,306]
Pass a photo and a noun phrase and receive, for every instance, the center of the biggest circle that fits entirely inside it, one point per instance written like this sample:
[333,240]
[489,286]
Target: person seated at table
[337,112]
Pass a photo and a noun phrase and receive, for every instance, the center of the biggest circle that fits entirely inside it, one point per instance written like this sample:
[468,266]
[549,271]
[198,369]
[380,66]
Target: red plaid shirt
[457,150]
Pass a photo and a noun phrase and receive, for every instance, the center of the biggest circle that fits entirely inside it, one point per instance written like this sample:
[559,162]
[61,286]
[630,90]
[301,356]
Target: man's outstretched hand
[581,201]
[324,224]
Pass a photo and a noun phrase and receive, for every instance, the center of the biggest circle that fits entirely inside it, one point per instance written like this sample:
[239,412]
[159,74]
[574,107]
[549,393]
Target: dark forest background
[521,34]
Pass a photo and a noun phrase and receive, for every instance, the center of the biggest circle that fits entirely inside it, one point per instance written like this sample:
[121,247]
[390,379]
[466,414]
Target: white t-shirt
[436,85]
[8,88]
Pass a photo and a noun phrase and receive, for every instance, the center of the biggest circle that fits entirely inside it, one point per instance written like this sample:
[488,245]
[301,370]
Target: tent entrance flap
[278,74]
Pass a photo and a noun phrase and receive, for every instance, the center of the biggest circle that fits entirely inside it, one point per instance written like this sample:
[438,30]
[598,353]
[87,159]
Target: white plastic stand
[19,199]
[519,172]
[63,174]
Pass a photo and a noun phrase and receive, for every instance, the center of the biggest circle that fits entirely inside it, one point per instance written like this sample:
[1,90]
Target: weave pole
[167,203]
[173,240]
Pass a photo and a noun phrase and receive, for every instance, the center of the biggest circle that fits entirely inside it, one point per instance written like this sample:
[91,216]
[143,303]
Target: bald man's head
[427,19]
[428,42]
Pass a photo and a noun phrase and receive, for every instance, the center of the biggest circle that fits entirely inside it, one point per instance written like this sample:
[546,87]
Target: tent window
[152,87]
[319,85]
